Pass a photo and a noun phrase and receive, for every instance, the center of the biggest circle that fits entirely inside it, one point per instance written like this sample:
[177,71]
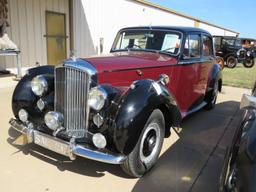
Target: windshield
[148,40]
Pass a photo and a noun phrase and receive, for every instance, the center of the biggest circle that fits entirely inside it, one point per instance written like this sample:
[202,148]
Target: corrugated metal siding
[27,20]
[95,19]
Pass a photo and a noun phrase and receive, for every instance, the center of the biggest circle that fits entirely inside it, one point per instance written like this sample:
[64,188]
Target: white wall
[97,18]
[215,30]
[27,29]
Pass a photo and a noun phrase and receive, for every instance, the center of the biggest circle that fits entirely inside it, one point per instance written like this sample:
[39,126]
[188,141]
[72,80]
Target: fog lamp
[99,140]
[53,120]
[23,115]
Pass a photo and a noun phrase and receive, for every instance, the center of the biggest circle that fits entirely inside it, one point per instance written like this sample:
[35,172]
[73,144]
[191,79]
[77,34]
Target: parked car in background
[119,107]
[239,168]
[236,50]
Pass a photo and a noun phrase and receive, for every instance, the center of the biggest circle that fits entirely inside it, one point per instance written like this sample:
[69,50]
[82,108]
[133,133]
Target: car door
[191,80]
[207,61]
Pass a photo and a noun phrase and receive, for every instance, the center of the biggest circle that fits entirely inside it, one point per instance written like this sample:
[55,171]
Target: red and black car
[118,108]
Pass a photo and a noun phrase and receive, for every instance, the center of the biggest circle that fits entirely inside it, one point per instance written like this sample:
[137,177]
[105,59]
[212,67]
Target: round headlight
[99,140]
[97,98]
[23,115]
[53,120]
[39,85]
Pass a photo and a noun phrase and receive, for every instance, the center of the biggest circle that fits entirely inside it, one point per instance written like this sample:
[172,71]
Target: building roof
[144,2]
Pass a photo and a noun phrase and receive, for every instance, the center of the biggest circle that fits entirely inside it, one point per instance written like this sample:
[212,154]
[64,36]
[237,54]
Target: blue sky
[237,15]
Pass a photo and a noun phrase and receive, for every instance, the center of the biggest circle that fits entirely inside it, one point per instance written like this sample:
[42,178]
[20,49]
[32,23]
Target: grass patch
[239,76]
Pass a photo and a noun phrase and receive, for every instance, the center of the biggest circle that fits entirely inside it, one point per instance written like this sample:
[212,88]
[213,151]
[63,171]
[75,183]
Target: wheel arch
[215,74]
[145,99]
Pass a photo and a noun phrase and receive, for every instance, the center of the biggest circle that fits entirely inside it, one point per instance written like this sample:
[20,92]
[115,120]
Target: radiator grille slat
[71,95]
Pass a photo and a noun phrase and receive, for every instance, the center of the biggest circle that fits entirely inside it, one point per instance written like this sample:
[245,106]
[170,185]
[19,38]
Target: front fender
[135,108]
[23,97]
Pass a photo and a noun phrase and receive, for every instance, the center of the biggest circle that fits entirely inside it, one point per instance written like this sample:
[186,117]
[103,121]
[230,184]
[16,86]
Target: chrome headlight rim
[97,98]
[39,85]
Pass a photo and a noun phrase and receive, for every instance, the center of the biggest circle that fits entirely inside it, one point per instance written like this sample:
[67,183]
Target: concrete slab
[187,160]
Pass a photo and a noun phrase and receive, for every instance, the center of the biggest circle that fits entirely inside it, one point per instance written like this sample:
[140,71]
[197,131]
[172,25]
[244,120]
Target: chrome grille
[71,96]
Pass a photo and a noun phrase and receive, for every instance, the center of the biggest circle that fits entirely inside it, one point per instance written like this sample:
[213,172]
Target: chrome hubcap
[150,143]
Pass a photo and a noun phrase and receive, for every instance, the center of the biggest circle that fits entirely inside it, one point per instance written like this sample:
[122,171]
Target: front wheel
[249,63]
[146,152]
[231,62]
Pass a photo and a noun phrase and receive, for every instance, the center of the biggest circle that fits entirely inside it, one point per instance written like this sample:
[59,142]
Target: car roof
[176,28]
[233,37]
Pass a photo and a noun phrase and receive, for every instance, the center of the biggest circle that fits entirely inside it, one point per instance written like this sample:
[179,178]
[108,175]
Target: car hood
[130,60]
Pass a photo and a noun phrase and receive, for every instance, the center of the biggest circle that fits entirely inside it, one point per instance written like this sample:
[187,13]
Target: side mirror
[248,102]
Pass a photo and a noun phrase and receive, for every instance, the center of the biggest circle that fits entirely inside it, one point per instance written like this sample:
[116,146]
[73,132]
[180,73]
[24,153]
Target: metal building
[46,30]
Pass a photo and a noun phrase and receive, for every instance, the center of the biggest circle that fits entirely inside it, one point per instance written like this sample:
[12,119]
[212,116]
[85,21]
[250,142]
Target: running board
[184,114]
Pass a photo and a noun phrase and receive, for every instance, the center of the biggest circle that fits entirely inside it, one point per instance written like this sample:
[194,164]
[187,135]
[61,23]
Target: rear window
[207,46]
[192,47]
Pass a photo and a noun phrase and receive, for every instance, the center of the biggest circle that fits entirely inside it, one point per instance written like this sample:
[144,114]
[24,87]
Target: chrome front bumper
[69,149]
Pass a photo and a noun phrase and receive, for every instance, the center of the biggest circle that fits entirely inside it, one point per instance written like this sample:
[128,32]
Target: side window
[228,42]
[207,46]
[238,42]
[192,47]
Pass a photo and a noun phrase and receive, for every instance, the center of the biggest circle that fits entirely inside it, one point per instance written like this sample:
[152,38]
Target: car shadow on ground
[80,165]
[189,151]
[179,167]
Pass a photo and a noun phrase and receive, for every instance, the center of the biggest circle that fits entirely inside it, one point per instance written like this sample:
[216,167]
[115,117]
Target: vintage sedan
[118,108]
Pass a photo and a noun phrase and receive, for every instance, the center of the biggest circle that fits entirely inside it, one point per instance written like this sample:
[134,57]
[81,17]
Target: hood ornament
[73,55]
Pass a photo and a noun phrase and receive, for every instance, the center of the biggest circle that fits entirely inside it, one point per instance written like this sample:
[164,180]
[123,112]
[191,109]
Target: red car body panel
[122,68]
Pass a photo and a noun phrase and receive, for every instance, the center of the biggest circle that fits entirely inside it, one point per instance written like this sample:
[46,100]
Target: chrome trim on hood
[81,65]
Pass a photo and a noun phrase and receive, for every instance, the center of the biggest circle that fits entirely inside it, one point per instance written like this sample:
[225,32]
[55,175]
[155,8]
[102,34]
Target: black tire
[145,153]
[211,97]
[231,61]
[249,63]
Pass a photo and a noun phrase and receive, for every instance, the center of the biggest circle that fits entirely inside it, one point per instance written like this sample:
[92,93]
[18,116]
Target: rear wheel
[146,152]
[231,61]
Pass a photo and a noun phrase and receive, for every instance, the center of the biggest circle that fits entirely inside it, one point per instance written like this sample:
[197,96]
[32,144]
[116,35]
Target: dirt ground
[191,158]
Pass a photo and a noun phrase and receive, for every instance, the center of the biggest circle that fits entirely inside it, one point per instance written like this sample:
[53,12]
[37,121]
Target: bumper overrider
[69,149]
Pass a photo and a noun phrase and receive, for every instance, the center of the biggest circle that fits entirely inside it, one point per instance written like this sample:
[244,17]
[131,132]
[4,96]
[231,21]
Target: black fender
[229,54]
[134,109]
[23,97]
[248,141]
[215,74]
